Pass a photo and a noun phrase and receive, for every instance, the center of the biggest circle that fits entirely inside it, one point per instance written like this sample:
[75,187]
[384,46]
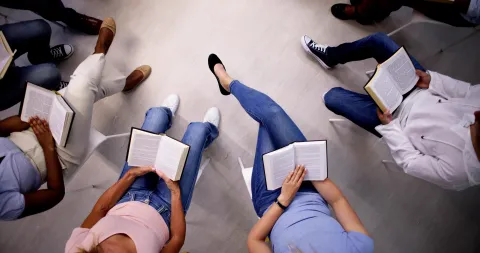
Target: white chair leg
[370,73]
[202,168]
[399,29]
[388,161]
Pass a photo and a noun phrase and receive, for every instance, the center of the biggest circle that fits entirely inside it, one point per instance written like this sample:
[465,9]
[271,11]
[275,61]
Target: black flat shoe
[338,11]
[212,61]
[355,2]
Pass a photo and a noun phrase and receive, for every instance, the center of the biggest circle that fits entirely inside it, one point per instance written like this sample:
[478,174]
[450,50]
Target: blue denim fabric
[276,130]
[153,191]
[32,37]
[360,108]
[378,46]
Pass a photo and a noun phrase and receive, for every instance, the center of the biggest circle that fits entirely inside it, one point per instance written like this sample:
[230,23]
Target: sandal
[212,61]
[109,23]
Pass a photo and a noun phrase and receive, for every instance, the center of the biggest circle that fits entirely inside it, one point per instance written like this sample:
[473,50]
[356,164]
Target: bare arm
[256,238]
[178,226]
[12,124]
[112,195]
[345,214]
[42,200]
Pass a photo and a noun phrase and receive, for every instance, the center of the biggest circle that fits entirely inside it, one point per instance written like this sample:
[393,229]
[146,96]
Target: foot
[318,51]
[172,102]
[355,2]
[82,23]
[105,36]
[343,11]
[212,116]
[223,77]
[61,52]
[347,12]
[137,77]
[218,69]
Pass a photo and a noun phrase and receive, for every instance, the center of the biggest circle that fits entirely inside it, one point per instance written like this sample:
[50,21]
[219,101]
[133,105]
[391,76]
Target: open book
[312,154]
[159,151]
[392,79]
[6,55]
[51,106]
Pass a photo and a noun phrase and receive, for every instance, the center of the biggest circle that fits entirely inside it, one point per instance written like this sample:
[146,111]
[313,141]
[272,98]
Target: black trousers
[53,10]
[380,9]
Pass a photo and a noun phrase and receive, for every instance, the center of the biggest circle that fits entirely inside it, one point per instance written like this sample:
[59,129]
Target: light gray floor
[259,43]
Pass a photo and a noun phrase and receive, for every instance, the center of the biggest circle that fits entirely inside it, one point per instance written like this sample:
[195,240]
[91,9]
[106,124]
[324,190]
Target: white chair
[247,176]
[419,18]
[96,138]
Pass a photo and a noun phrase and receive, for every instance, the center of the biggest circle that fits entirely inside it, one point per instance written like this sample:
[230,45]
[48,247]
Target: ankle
[223,76]
[99,50]
[225,82]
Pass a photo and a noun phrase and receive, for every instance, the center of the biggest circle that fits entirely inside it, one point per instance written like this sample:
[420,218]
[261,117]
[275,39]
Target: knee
[273,110]
[156,113]
[333,98]
[41,28]
[197,128]
[48,76]
[379,37]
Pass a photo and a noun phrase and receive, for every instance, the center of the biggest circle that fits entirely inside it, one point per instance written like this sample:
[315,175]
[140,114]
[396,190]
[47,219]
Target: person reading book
[145,210]
[296,216]
[31,37]
[432,134]
[27,161]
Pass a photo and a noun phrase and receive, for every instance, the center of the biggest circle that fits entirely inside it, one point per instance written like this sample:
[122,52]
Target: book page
[280,163]
[386,91]
[401,71]
[169,155]
[37,102]
[57,118]
[5,54]
[143,148]
[313,155]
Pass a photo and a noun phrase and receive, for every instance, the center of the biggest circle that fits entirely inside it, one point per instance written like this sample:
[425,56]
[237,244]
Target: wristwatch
[280,204]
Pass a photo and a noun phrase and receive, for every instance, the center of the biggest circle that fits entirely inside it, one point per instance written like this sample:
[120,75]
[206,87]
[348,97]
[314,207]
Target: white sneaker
[172,102]
[212,116]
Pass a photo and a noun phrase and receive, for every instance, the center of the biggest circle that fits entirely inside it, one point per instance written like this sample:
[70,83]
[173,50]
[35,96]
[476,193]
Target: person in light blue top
[296,217]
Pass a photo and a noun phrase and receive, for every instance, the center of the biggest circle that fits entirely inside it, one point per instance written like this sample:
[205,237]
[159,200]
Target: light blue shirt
[307,226]
[17,176]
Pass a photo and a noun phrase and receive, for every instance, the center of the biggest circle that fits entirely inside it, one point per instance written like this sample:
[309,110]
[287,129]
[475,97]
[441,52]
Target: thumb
[160,173]
[420,73]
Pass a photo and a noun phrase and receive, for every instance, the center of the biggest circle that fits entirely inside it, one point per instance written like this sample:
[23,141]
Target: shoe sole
[305,47]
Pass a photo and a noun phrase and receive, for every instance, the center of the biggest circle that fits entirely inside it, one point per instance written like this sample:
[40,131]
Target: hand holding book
[424,79]
[172,185]
[42,131]
[384,117]
[291,184]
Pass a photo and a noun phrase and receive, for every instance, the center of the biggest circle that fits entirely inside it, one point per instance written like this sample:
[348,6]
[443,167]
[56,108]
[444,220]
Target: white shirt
[432,141]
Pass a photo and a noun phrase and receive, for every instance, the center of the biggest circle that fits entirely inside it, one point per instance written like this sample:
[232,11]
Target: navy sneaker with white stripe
[318,51]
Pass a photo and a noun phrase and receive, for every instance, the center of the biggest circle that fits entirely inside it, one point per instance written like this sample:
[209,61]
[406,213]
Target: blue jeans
[360,108]
[276,130]
[32,37]
[152,190]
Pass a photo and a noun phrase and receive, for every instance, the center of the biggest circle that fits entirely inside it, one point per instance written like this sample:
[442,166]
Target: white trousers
[87,85]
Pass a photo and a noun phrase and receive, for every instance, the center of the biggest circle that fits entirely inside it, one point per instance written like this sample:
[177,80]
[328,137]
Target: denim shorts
[147,197]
